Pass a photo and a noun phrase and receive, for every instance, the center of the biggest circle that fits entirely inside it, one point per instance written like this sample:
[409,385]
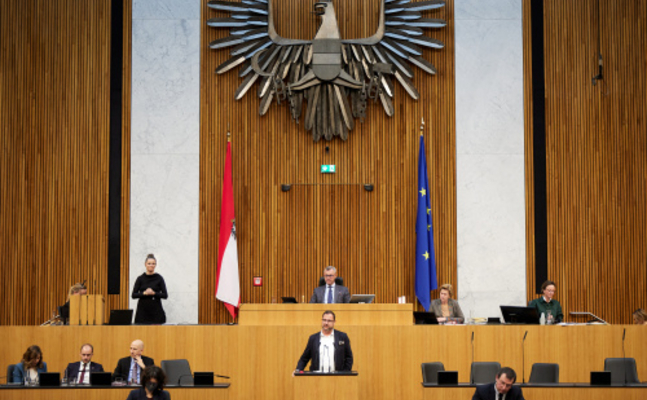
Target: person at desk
[150,289]
[30,367]
[76,289]
[550,307]
[640,317]
[331,292]
[329,349]
[130,368]
[79,372]
[501,388]
[153,381]
[446,308]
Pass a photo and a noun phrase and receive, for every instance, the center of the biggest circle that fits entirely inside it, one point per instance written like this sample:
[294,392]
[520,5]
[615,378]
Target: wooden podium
[287,314]
[317,386]
[87,309]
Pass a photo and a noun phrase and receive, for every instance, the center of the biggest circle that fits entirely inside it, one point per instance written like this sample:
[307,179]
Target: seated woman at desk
[29,368]
[550,307]
[640,317]
[446,309]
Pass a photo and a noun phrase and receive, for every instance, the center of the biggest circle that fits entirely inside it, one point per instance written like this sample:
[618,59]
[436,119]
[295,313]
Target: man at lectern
[331,292]
[328,350]
[501,388]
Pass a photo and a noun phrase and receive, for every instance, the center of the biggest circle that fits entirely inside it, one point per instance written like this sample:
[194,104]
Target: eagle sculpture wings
[336,77]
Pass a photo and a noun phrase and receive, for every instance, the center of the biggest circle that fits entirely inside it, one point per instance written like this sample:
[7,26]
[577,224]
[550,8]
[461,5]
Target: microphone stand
[523,358]
[624,360]
[472,366]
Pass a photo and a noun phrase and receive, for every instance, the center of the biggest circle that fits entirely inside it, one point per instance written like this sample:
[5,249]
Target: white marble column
[165,149]
[490,155]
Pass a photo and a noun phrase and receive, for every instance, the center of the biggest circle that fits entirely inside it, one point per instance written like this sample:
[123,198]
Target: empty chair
[178,372]
[10,368]
[484,372]
[338,281]
[544,373]
[430,371]
[623,370]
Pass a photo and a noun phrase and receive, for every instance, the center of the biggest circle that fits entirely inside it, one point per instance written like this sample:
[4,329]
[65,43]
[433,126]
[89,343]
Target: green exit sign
[327,169]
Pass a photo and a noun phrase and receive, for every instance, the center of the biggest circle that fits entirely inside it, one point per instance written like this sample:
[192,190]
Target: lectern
[87,309]
[318,385]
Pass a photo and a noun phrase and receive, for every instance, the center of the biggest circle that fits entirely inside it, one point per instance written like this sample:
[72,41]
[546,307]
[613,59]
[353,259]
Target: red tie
[82,373]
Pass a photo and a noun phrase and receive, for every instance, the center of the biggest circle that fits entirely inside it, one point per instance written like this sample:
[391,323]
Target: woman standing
[150,289]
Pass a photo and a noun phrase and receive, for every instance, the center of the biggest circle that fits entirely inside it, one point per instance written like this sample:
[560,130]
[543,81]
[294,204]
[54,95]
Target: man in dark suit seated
[329,349]
[130,368]
[501,388]
[331,292]
[79,372]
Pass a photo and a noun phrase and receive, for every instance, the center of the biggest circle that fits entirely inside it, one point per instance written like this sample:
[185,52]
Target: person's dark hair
[509,372]
[154,372]
[31,353]
[334,318]
[546,284]
[150,256]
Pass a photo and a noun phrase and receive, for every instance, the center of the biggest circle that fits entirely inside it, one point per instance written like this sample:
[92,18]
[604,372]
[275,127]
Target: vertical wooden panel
[596,156]
[288,238]
[54,102]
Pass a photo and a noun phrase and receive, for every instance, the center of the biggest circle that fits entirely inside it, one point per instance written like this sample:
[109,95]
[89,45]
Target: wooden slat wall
[288,238]
[54,104]
[596,141]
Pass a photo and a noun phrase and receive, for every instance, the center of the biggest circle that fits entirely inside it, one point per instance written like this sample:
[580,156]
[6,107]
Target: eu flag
[425,254]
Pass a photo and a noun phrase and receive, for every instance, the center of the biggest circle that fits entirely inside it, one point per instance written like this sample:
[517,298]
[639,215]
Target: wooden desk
[313,386]
[310,314]
[107,393]
[571,392]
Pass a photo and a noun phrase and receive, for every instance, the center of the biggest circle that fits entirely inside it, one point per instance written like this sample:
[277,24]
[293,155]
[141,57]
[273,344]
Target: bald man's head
[136,348]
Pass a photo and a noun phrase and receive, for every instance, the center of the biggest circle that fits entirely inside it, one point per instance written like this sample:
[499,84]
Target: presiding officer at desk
[79,372]
[331,292]
[329,349]
[445,308]
[546,303]
[130,368]
[501,388]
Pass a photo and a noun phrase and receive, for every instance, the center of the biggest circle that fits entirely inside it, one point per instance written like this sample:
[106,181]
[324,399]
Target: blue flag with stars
[426,280]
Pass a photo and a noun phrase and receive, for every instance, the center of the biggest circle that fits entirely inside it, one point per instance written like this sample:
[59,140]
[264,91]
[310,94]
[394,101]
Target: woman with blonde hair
[447,309]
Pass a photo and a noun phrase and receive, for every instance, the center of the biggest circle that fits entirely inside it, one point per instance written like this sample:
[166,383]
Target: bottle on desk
[542,319]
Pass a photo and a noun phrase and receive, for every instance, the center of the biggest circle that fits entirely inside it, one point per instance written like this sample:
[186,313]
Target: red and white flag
[228,284]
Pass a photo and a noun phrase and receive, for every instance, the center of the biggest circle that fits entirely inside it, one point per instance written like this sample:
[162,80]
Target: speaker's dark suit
[341,294]
[73,370]
[486,392]
[123,366]
[343,353]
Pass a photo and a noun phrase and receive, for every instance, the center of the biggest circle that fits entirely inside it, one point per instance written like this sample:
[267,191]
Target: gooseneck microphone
[523,358]
[624,360]
[472,347]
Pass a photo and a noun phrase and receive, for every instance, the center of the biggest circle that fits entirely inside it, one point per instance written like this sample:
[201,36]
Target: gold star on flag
[428,227]
[428,210]
[423,191]
[426,255]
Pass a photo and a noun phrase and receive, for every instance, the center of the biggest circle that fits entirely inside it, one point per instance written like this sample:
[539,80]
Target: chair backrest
[430,371]
[544,373]
[623,370]
[178,372]
[338,281]
[10,368]
[484,372]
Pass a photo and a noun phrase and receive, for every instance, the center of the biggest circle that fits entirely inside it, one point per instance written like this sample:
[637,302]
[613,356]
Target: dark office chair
[544,373]
[178,372]
[623,370]
[338,281]
[430,371]
[10,368]
[484,372]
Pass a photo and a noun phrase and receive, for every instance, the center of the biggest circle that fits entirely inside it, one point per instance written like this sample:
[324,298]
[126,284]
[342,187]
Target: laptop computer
[448,377]
[49,379]
[289,299]
[425,318]
[100,379]
[121,317]
[362,298]
[520,315]
[203,379]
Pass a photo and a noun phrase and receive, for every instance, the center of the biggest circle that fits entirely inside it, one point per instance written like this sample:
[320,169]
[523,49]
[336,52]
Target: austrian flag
[228,284]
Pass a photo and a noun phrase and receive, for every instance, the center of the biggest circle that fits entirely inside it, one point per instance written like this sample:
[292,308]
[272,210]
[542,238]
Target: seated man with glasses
[328,350]
[331,292]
